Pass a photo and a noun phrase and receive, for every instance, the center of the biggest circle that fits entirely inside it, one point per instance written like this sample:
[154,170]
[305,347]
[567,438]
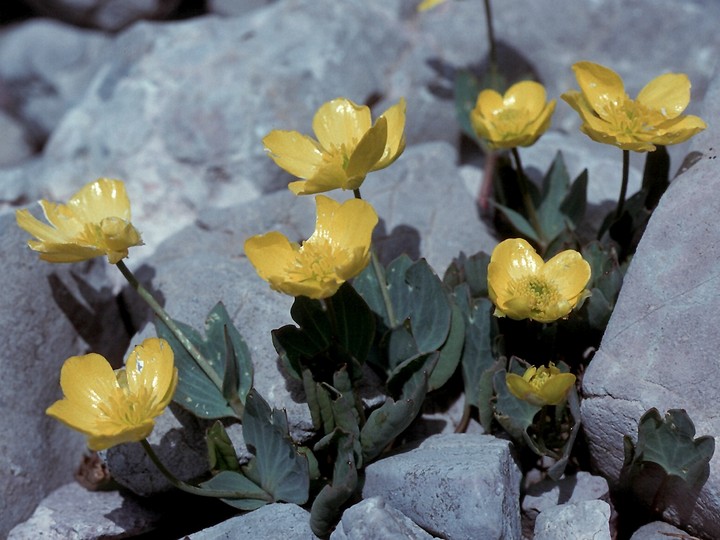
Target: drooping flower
[541,386]
[522,286]
[517,118]
[94,222]
[115,407]
[609,116]
[338,250]
[347,148]
[429,4]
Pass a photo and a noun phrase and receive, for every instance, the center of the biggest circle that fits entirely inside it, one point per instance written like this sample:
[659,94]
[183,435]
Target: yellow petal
[528,95]
[395,145]
[296,153]
[105,197]
[555,390]
[681,129]
[570,273]
[488,104]
[329,175]
[668,94]
[341,122]
[353,223]
[521,389]
[271,254]
[87,382]
[116,435]
[429,4]
[368,152]
[150,366]
[600,85]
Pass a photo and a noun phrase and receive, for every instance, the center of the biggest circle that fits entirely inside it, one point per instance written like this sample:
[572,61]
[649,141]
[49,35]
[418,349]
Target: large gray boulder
[660,346]
[48,312]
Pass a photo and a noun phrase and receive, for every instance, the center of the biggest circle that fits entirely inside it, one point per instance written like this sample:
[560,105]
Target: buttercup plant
[353,314]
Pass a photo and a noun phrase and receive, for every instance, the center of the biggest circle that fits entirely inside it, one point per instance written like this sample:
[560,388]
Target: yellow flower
[429,4]
[516,119]
[347,148]
[609,116]
[338,250]
[522,286]
[115,407]
[94,222]
[541,386]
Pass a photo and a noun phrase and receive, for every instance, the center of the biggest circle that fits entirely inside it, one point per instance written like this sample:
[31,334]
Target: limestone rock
[660,346]
[454,486]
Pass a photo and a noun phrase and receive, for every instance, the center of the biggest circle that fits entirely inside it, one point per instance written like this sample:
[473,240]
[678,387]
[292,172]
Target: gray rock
[14,145]
[425,208]
[271,522]
[47,313]
[374,518]
[659,529]
[45,69]
[547,494]
[73,512]
[660,346]
[454,486]
[582,486]
[104,14]
[232,8]
[574,521]
[179,110]
[177,439]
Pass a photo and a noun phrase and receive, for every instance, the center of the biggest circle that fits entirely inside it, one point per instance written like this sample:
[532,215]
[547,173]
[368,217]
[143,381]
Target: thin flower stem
[624,185]
[380,276]
[181,485]
[491,42]
[527,200]
[200,360]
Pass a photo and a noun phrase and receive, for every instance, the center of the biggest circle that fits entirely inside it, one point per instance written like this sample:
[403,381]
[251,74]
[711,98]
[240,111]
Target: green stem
[380,276]
[184,486]
[491,42]
[200,360]
[624,185]
[525,192]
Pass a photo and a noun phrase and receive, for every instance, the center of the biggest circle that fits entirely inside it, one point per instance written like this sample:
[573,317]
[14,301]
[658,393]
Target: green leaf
[355,323]
[575,202]
[221,452]
[430,310]
[282,470]
[518,222]
[671,443]
[555,188]
[450,353]
[471,270]
[467,88]
[250,495]
[477,355]
[558,468]
[393,417]
[326,507]
[195,391]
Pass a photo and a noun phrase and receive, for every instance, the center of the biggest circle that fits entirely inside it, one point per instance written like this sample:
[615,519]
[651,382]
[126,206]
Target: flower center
[539,379]
[540,293]
[631,117]
[124,408]
[316,261]
[511,122]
